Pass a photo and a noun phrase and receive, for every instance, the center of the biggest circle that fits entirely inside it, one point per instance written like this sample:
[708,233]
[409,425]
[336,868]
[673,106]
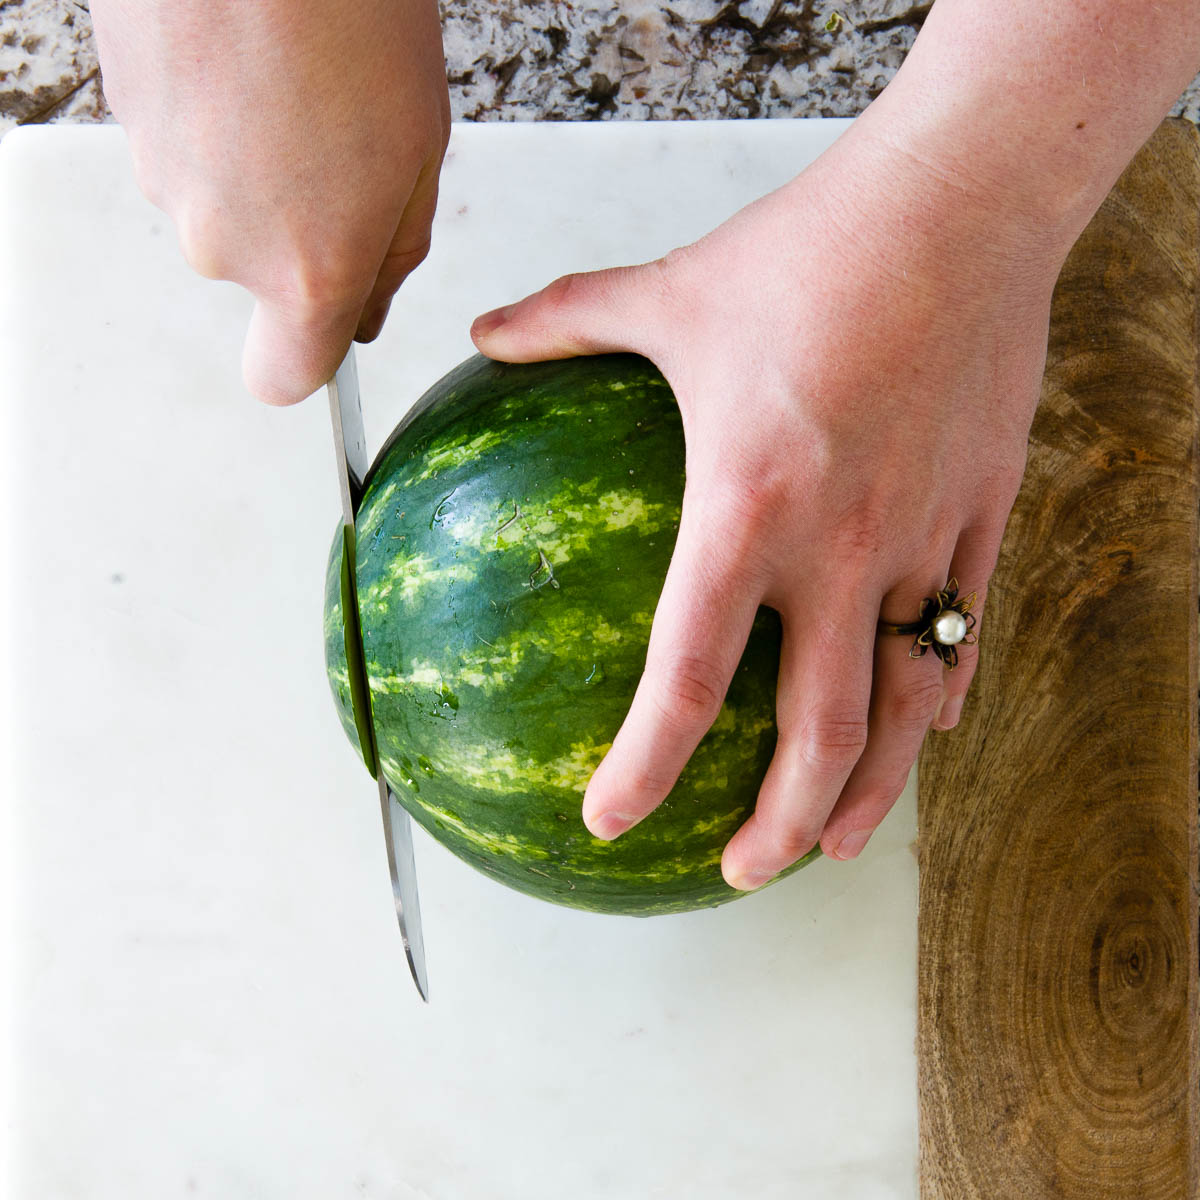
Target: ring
[945,623]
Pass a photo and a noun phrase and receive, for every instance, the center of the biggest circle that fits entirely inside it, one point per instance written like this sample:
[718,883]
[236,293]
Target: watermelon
[512,542]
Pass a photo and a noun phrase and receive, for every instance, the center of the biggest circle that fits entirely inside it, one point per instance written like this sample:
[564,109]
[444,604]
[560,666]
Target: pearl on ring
[949,627]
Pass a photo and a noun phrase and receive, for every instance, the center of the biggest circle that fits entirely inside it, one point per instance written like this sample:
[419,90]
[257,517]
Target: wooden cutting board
[1057,1026]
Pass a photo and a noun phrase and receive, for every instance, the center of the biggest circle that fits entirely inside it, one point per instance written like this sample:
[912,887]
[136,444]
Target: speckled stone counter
[554,60]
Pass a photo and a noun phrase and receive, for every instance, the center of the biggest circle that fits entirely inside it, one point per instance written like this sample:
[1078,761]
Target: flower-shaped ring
[945,623]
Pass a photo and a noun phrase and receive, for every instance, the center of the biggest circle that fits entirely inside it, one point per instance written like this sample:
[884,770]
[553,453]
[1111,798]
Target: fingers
[306,309]
[592,313]
[315,290]
[905,694]
[290,353]
[908,696]
[292,348]
[974,561]
[848,736]
[373,319]
[822,707]
[703,619]
[408,249]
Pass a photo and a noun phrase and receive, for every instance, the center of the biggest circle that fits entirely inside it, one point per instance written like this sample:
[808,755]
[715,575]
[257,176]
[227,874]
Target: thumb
[591,313]
[288,356]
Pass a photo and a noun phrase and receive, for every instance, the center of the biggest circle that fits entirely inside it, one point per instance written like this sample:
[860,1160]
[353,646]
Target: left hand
[857,358]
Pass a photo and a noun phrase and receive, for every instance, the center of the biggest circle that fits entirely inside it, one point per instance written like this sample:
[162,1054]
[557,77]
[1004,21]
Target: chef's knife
[350,442]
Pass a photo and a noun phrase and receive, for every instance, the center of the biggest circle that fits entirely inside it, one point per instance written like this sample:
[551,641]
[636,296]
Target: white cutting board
[206,992]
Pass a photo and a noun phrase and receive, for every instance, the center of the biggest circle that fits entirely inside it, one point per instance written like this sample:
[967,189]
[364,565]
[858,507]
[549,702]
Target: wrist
[902,210]
[1031,111]
[1031,209]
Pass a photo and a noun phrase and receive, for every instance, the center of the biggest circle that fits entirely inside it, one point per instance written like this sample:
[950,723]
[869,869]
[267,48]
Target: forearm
[1034,109]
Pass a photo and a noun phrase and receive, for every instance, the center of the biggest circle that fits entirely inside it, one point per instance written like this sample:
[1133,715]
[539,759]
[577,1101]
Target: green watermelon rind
[506,608]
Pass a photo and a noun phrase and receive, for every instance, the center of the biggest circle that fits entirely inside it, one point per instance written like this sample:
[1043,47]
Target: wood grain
[1058,962]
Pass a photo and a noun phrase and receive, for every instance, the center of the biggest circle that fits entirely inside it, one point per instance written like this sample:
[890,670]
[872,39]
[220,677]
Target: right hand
[296,146]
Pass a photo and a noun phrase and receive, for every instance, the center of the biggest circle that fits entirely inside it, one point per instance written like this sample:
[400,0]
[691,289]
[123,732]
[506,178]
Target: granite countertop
[557,60]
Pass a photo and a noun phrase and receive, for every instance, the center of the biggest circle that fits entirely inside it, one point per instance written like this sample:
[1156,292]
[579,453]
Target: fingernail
[949,713]
[750,880]
[851,845]
[490,321]
[611,824]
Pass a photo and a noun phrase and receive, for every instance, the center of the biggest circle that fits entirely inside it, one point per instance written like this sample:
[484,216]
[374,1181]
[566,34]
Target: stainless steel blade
[349,438]
[404,883]
[350,441]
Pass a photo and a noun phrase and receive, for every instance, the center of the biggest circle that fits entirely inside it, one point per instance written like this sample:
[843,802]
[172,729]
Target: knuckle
[199,239]
[558,293]
[1008,475]
[673,262]
[152,188]
[688,692]
[885,795]
[832,741]
[644,787]
[864,532]
[145,171]
[320,286]
[755,498]
[561,307]
[668,276]
[945,528]
[739,506]
[404,259]
[873,799]
[912,706]
[794,841]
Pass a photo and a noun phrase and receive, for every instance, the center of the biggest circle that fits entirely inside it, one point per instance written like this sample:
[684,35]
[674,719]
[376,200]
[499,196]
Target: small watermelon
[512,542]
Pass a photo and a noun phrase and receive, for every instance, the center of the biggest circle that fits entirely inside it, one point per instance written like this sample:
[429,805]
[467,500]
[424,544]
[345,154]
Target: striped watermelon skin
[513,539]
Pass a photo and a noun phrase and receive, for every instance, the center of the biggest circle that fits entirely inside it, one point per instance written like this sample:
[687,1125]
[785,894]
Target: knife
[350,443]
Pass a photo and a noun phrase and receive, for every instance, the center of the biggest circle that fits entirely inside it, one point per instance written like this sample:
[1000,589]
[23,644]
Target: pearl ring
[945,622]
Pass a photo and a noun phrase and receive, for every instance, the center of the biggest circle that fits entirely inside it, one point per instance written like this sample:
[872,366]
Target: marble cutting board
[205,990]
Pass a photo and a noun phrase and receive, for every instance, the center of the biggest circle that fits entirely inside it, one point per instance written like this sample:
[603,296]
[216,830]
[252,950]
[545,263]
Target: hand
[296,146]
[857,358]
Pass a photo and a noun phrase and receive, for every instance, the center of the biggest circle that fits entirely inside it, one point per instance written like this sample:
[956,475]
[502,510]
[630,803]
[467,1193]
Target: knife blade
[350,444]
